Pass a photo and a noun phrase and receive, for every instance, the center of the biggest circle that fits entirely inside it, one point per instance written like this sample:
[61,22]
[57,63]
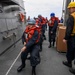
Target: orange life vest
[30,33]
[21,17]
[51,21]
[43,21]
[38,28]
[37,21]
[46,20]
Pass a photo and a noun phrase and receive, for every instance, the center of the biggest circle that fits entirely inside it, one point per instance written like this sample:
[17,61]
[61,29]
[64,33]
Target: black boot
[44,38]
[53,43]
[20,68]
[66,63]
[34,70]
[28,58]
[40,48]
[72,70]
[49,45]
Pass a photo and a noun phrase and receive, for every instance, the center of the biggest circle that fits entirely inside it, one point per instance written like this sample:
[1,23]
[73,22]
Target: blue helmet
[52,14]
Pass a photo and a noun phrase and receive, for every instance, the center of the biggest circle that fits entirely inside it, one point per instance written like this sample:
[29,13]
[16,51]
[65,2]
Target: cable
[13,63]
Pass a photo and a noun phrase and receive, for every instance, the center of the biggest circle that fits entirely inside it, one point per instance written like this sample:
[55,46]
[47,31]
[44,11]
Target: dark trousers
[70,49]
[34,55]
[43,31]
[51,36]
[41,41]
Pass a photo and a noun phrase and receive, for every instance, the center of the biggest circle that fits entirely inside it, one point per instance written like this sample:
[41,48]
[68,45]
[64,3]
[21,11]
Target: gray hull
[11,27]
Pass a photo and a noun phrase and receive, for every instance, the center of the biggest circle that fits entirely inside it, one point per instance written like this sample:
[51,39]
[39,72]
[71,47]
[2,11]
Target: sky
[43,7]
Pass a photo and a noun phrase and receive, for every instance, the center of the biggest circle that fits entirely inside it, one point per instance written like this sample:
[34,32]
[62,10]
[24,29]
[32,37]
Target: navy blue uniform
[32,48]
[70,40]
[52,35]
[43,29]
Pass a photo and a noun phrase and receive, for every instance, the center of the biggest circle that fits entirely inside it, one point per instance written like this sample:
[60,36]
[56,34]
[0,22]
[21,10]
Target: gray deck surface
[51,62]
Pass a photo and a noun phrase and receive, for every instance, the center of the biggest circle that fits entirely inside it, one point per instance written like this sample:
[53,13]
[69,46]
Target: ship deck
[51,61]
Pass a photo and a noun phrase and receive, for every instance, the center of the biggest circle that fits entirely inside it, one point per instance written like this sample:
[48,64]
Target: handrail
[8,36]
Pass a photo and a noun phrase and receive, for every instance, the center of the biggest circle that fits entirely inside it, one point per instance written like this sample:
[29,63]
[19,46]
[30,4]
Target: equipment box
[60,46]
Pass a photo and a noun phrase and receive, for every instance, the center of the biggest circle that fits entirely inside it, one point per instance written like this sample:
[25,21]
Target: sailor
[52,23]
[43,25]
[38,23]
[30,40]
[70,37]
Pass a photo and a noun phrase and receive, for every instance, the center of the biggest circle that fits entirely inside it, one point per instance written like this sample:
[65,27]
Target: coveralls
[70,40]
[33,48]
[53,34]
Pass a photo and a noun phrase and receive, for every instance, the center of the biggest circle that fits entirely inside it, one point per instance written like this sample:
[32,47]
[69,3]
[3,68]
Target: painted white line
[13,64]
